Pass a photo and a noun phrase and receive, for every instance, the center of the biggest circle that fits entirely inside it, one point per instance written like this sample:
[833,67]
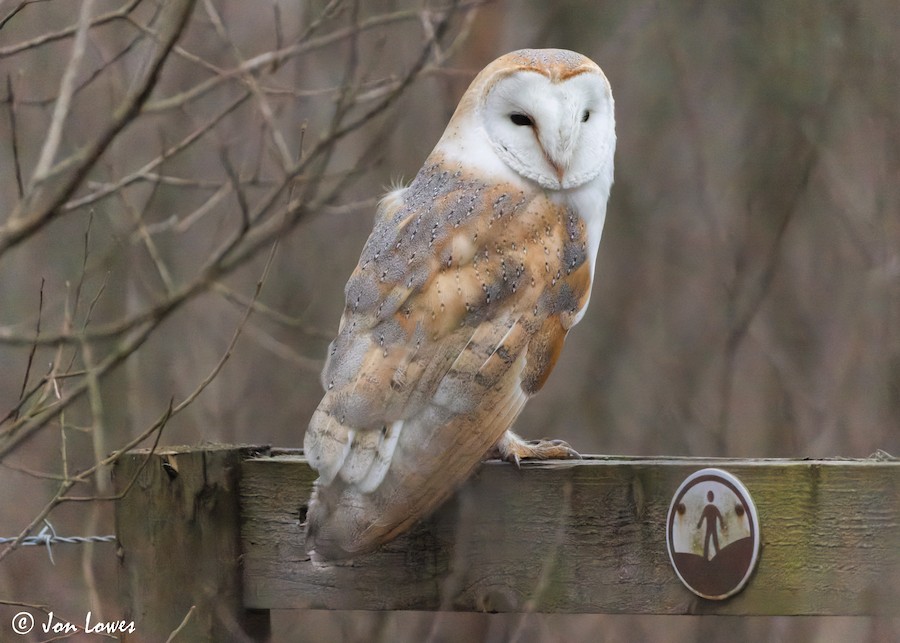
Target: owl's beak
[558,169]
[559,152]
[557,133]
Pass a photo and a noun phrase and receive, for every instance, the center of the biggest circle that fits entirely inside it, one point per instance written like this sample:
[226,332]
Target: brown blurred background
[746,301]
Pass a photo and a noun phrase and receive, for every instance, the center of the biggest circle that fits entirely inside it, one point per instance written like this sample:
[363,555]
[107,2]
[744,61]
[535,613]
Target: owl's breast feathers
[455,315]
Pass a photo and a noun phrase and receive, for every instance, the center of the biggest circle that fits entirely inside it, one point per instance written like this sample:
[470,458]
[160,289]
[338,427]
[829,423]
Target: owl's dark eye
[585,116]
[522,120]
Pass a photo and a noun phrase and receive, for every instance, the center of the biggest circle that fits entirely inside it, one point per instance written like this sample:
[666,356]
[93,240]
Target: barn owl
[457,310]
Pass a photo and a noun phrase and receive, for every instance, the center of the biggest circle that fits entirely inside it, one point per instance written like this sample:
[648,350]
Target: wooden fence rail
[219,528]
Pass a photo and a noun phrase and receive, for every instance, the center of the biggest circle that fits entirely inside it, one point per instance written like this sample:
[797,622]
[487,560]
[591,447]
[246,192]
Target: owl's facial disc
[558,134]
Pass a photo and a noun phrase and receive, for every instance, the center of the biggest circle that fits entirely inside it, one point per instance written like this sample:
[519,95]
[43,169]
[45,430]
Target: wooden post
[178,528]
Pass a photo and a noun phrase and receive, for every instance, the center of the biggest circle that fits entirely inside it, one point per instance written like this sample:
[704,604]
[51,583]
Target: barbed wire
[48,536]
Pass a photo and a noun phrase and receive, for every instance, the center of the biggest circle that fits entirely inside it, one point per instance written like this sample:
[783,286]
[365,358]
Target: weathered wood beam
[178,528]
[588,536]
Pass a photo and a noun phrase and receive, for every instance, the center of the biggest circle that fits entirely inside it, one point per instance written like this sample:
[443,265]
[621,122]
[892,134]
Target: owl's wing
[400,333]
[454,316]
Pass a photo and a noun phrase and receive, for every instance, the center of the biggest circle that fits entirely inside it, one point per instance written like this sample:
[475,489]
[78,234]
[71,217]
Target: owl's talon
[547,441]
[512,448]
[556,449]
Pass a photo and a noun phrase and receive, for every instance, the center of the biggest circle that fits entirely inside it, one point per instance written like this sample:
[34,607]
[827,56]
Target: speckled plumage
[463,295]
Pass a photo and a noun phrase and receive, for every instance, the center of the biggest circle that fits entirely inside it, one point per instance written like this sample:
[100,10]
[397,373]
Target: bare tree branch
[64,99]
[37,208]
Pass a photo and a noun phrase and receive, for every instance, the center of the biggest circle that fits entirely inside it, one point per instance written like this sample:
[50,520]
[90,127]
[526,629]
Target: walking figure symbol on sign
[713,534]
[713,518]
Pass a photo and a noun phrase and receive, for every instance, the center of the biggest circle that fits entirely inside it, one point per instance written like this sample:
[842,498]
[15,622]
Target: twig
[98,425]
[235,183]
[182,625]
[157,427]
[144,171]
[93,303]
[13,135]
[85,253]
[147,240]
[284,351]
[40,475]
[33,606]
[16,10]
[68,32]
[92,76]
[275,315]
[13,413]
[262,102]
[208,206]
[37,334]
[237,333]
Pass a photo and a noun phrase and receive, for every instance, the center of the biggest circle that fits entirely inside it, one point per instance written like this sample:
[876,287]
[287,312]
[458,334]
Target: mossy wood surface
[588,536]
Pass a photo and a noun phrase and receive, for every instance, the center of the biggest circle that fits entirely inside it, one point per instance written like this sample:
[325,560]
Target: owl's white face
[558,134]
[545,116]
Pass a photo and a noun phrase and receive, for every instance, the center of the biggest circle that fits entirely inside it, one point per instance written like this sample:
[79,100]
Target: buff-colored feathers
[462,298]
